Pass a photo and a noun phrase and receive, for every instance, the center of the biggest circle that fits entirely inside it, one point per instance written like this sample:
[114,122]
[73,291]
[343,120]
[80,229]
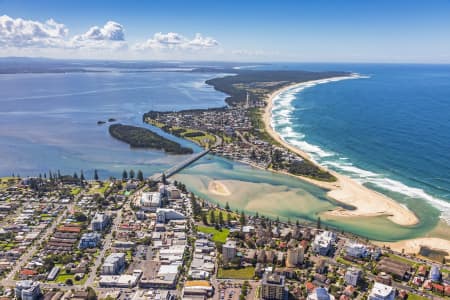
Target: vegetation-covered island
[237,131]
[138,137]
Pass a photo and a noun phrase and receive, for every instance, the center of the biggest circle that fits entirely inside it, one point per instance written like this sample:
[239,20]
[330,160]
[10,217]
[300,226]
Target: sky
[297,31]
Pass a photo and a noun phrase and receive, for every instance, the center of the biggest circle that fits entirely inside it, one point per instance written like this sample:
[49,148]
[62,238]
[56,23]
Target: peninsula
[138,137]
[243,132]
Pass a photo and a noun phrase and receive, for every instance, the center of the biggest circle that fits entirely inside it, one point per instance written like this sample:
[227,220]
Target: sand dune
[218,188]
[345,190]
[413,246]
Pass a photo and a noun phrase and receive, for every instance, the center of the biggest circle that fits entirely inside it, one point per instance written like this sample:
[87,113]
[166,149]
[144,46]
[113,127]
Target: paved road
[9,279]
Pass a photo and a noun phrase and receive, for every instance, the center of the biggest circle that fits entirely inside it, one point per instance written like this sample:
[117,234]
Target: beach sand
[216,187]
[413,246]
[345,190]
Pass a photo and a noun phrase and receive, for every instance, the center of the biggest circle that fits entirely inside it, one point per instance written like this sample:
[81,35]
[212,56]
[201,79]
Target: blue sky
[305,31]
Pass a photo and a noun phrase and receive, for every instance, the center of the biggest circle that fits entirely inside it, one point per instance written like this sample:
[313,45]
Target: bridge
[180,166]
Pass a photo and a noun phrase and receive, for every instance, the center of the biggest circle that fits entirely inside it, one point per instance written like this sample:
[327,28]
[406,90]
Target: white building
[150,201]
[382,292]
[164,215]
[229,251]
[100,222]
[320,293]
[119,281]
[113,264]
[352,276]
[294,257]
[356,250]
[323,242]
[27,290]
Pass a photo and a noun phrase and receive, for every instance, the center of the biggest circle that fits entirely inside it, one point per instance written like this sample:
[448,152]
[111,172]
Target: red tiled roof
[28,272]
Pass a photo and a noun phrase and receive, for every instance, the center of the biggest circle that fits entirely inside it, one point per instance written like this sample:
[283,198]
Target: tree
[221,218]
[242,218]
[204,219]
[124,175]
[318,223]
[163,178]
[132,174]
[140,176]
[227,206]
[80,217]
[212,217]
[82,175]
[91,294]
[69,281]
[228,218]
[95,174]
[75,175]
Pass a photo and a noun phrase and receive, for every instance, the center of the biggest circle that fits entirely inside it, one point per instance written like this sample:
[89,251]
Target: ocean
[390,131]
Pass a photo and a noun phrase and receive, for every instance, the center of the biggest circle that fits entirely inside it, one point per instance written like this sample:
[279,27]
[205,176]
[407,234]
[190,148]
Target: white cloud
[28,33]
[30,37]
[111,31]
[173,40]
[111,36]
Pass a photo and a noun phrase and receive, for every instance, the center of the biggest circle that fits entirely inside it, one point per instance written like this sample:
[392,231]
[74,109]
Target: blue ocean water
[389,130]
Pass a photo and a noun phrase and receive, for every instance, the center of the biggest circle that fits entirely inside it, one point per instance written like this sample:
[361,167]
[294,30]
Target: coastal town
[65,237]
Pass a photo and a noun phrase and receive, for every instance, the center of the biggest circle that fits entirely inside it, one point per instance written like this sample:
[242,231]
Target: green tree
[124,175]
[75,175]
[132,174]
[140,176]
[163,178]
[95,174]
[227,206]
[212,217]
[92,295]
[82,176]
[318,223]
[221,218]
[242,218]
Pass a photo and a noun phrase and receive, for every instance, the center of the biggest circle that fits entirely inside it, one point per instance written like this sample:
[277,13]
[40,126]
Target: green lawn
[401,259]
[243,273]
[218,235]
[415,297]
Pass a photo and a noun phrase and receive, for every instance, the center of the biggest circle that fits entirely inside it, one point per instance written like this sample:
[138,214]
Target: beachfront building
[323,242]
[320,293]
[229,251]
[382,292]
[356,250]
[352,276]
[27,290]
[100,222]
[164,215]
[273,287]
[114,264]
[150,201]
[295,257]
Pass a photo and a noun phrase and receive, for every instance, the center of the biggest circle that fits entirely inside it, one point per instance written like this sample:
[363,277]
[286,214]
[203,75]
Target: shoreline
[367,202]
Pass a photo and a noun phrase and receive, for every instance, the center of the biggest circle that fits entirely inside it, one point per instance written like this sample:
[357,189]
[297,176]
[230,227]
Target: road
[9,279]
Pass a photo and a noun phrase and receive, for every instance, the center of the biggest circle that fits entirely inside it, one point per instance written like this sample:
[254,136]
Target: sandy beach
[345,190]
[218,188]
[413,246]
